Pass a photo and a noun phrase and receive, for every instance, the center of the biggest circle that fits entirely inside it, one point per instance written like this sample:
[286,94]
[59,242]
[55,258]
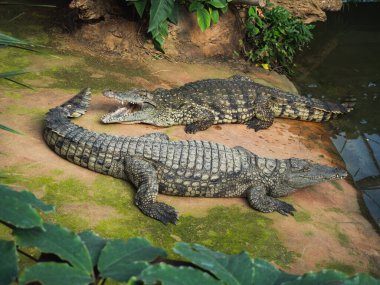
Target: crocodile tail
[308,109]
[75,107]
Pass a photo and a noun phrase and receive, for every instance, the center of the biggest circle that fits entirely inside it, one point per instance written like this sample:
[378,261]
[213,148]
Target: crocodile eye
[306,169]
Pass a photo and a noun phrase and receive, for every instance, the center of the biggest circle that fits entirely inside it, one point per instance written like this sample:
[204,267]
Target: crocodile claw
[162,212]
[285,209]
[191,129]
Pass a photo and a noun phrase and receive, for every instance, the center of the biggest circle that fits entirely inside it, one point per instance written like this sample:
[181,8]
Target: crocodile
[154,164]
[200,104]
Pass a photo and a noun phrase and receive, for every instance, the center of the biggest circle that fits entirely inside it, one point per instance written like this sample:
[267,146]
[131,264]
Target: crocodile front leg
[143,175]
[259,200]
[264,115]
[197,118]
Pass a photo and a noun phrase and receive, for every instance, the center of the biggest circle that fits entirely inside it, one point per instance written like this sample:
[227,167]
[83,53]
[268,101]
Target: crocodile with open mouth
[200,104]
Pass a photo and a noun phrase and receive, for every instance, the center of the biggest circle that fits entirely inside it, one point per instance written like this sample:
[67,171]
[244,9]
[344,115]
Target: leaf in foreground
[5,128]
[59,241]
[119,259]
[231,269]
[171,275]
[362,279]
[94,244]
[15,212]
[27,197]
[266,273]
[319,278]
[8,262]
[52,273]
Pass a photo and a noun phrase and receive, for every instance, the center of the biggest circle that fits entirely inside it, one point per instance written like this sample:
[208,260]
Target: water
[343,61]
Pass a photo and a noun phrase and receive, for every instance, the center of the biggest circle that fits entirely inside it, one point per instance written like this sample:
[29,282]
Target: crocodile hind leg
[143,175]
[259,200]
[197,118]
[264,115]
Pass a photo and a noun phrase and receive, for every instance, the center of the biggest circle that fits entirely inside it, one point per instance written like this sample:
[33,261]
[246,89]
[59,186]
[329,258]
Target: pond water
[344,61]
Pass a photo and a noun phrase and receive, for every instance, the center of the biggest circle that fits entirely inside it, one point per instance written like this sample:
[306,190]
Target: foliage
[85,258]
[208,11]
[273,36]
[162,11]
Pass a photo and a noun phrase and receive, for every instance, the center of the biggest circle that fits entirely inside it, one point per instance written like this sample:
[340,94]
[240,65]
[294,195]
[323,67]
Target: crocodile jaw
[130,113]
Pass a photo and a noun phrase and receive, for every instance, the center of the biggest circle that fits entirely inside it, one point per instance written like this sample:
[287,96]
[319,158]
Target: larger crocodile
[200,104]
[154,164]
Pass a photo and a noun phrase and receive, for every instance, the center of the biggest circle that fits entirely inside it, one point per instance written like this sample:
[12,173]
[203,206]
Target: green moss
[228,229]
[302,217]
[33,113]
[346,268]
[336,185]
[342,237]
[309,233]
[335,210]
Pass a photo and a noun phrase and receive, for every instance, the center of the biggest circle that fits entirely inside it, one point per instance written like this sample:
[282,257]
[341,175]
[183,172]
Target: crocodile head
[303,173]
[137,106]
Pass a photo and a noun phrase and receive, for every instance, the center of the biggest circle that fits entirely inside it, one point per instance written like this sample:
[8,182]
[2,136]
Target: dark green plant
[66,258]
[274,36]
[208,11]
[161,11]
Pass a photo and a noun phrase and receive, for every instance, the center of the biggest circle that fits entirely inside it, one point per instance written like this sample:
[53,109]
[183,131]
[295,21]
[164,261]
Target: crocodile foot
[162,212]
[258,125]
[192,129]
[284,208]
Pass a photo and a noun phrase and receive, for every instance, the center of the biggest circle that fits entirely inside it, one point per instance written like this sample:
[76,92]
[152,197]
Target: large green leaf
[214,16]
[94,244]
[8,262]
[52,273]
[15,212]
[266,273]
[170,275]
[362,279]
[324,277]
[217,3]
[173,17]
[59,241]
[159,35]
[231,269]
[27,197]
[203,18]
[160,10]
[120,259]
[140,6]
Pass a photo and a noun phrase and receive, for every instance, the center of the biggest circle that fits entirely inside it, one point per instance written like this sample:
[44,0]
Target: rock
[89,10]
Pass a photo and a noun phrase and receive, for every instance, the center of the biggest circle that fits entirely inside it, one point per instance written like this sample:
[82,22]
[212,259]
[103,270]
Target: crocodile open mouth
[128,112]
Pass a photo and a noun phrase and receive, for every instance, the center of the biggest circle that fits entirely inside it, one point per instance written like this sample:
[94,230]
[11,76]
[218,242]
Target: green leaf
[362,279]
[120,259]
[11,41]
[27,197]
[217,3]
[195,6]
[5,128]
[203,18]
[52,273]
[94,244]
[12,73]
[160,10]
[232,269]
[160,34]
[59,241]
[173,17]
[140,6]
[170,275]
[214,16]
[266,273]
[8,262]
[15,212]
[324,277]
